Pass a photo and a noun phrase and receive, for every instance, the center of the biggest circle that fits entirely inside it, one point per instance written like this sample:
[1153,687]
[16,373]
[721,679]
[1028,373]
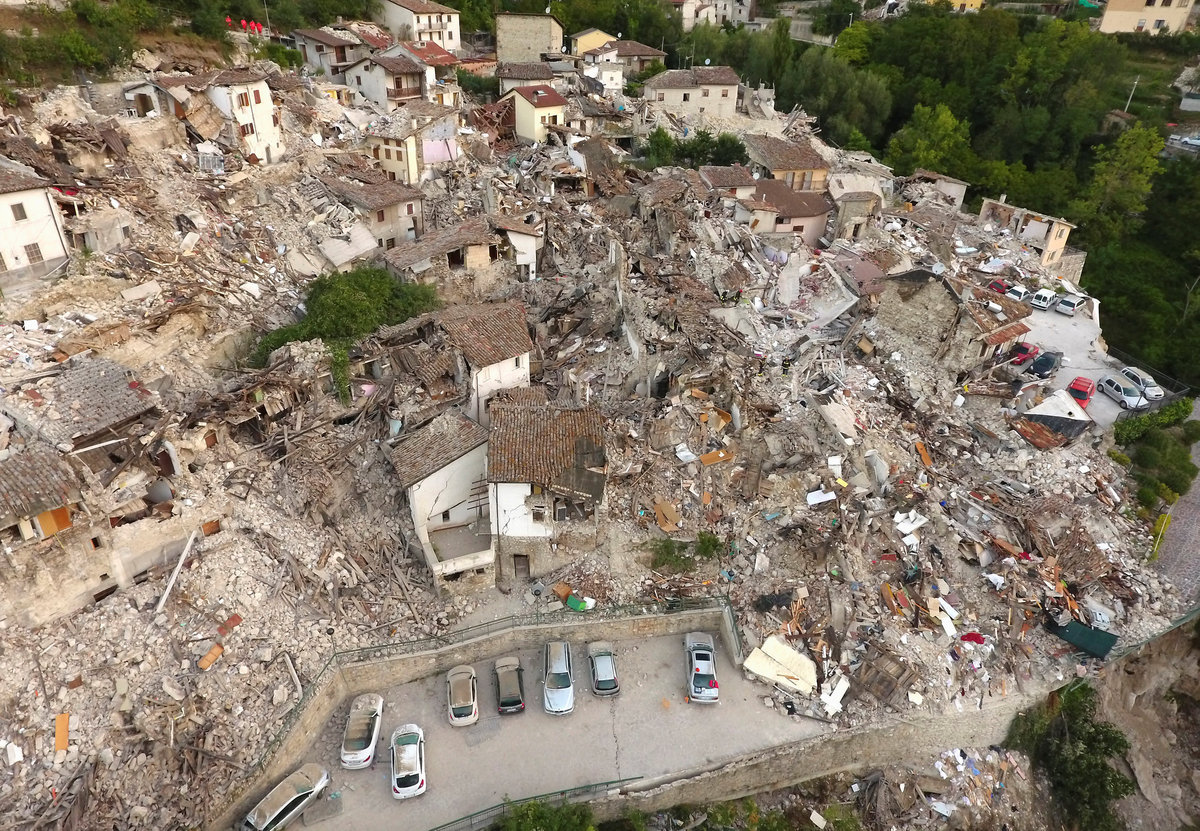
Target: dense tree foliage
[701,148]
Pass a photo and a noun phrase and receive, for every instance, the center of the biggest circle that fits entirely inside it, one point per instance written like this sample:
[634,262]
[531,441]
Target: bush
[1148,495]
[670,555]
[538,816]
[481,87]
[278,53]
[1191,432]
[1166,494]
[1120,458]
[1146,456]
[708,545]
[1131,429]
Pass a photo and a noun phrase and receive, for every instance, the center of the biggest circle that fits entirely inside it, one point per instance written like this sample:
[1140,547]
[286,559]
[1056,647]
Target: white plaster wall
[714,104]
[510,515]
[267,136]
[370,81]
[525,251]
[503,375]
[42,225]
[448,490]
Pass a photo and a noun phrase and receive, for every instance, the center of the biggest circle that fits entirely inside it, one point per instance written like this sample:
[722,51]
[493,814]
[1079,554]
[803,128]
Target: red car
[1082,389]
[1000,286]
[1024,352]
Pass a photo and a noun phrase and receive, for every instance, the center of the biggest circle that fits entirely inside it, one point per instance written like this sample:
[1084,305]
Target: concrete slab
[648,730]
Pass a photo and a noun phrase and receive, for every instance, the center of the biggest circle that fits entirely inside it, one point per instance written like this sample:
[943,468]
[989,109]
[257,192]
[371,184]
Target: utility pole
[267,12]
[1131,92]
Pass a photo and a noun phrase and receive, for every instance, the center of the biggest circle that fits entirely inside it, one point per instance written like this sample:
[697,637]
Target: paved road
[649,730]
[1179,556]
[1076,338]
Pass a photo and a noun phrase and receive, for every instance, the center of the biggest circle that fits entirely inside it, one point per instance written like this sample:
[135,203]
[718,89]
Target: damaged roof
[13,181]
[474,231]
[430,53]
[427,450]
[34,480]
[487,333]
[730,176]
[512,223]
[780,154]
[628,49]
[790,203]
[525,72]
[692,78]
[423,7]
[323,36]
[398,65]
[373,197]
[547,445]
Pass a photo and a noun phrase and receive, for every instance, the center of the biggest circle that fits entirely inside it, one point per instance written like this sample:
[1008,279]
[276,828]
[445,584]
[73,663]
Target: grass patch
[670,556]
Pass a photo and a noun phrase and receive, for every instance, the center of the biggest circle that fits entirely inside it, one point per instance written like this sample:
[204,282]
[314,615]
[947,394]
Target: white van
[1044,299]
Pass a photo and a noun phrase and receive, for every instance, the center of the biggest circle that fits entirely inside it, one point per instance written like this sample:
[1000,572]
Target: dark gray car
[510,686]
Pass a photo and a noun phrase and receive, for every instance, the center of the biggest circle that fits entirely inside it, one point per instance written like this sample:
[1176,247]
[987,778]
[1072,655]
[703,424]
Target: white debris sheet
[777,663]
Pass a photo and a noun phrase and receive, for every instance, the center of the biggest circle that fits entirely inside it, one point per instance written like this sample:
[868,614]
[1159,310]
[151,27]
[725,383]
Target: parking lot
[648,730]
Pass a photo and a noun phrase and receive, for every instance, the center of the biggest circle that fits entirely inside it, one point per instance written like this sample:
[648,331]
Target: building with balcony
[387,80]
[422,21]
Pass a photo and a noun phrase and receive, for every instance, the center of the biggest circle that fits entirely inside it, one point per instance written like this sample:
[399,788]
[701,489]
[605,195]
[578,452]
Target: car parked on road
[603,664]
[1018,293]
[462,696]
[288,799]
[1045,365]
[1082,389]
[701,668]
[1024,352]
[1145,384]
[1068,304]
[510,686]
[1119,389]
[408,761]
[558,698]
[362,731]
[1000,286]
[1044,299]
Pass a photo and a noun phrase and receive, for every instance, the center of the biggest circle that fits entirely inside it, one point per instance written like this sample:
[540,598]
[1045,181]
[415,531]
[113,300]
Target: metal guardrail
[488,816]
[365,655]
[1173,386]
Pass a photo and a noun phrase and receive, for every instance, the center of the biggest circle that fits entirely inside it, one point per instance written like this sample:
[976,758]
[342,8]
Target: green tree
[933,139]
[1112,204]
[842,97]
[853,45]
[728,149]
[836,16]
[660,148]
[538,816]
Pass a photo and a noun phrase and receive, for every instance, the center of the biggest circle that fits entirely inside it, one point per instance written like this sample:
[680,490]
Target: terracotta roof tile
[33,480]
[475,231]
[12,181]
[525,71]
[487,333]
[780,154]
[692,78]
[540,96]
[322,36]
[431,53]
[732,176]
[791,203]
[423,7]
[448,437]
[372,196]
[399,65]
[544,444]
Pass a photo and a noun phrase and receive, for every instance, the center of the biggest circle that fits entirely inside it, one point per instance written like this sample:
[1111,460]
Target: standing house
[796,212]
[421,20]
[703,90]
[464,250]
[534,109]
[735,180]
[581,42]
[494,340]
[392,210]
[32,243]
[234,104]
[440,84]
[795,162]
[513,75]
[1157,17]
[442,469]
[546,472]
[858,200]
[387,80]
[527,38]
[634,57]
[1047,235]
[694,12]
[328,53]
[737,12]
[396,146]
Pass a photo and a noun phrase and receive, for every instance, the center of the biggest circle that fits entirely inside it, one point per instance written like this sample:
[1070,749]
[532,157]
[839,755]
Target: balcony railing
[404,92]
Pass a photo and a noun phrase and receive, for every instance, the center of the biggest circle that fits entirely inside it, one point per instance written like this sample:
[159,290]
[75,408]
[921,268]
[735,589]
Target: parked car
[462,696]
[1000,286]
[1044,299]
[701,668]
[1024,352]
[603,663]
[1068,304]
[1147,385]
[1046,365]
[408,761]
[510,686]
[288,799]
[1018,293]
[362,731]
[1082,389]
[558,697]
[1119,389]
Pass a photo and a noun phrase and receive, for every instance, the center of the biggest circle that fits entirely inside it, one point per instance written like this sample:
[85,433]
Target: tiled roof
[423,7]
[448,437]
[204,80]
[431,53]
[487,333]
[693,78]
[662,190]
[544,444]
[12,181]
[733,176]
[791,203]
[511,223]
[33,480]
[475,231]
[780,154]
[372,196]
[370,33]
[399,65]
[525,71]
[632,49]
[540,96]
[322,36]
[85,399]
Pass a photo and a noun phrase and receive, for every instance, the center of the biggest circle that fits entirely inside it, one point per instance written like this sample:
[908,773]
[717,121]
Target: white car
[701,668]
[462,696]
[1123,392]
[1044,299]
[1145,384]
[1018,292]
[558,695]
[288,799]
[1068,304]
[408,761]
[362,731]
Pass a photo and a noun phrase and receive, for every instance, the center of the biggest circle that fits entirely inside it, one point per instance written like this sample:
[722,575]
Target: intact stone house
[525,38]
[705,90]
